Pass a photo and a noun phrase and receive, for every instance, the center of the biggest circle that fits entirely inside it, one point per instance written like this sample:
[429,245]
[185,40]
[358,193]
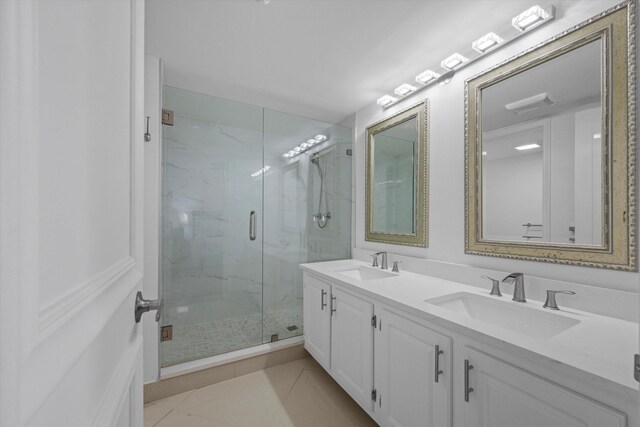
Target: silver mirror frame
[618,250]
[420,237]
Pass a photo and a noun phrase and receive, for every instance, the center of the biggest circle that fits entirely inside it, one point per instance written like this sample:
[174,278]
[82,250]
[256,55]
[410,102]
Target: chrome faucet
[384,265]
[517,280]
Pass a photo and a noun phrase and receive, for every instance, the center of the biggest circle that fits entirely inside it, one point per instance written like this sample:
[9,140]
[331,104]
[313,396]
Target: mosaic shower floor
[196,341]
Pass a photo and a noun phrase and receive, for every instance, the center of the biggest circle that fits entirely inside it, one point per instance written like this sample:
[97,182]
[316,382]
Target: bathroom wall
[446,201]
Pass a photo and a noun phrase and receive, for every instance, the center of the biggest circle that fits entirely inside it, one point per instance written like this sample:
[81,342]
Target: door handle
[438,371]
[252,225]
[144,305]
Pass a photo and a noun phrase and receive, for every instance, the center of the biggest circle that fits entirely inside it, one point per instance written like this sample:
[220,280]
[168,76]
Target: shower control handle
[252,225]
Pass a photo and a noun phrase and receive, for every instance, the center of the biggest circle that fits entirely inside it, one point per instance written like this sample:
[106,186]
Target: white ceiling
[324,59]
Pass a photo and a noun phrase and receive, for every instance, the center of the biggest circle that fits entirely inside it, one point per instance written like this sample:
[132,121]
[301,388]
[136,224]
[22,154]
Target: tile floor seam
[165,416]
[293,385]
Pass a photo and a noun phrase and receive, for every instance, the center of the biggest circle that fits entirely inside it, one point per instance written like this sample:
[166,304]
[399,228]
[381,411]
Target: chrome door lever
[144,305]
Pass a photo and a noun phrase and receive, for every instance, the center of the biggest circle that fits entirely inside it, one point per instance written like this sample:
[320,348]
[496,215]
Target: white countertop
[599,345]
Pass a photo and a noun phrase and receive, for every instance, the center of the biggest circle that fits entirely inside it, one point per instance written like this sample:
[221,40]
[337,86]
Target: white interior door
[71,119]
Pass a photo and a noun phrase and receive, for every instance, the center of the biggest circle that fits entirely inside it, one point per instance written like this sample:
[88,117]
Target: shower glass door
[211,256]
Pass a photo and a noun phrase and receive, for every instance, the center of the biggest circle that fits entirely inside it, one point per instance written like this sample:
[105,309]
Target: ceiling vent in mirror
[529,104]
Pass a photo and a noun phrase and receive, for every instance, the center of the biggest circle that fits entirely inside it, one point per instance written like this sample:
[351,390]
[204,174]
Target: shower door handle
[252,225]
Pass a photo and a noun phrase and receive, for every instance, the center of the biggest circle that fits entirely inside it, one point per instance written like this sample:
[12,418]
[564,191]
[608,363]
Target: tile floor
[295,394]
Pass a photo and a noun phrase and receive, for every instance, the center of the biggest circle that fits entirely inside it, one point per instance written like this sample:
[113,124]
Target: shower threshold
[233,356]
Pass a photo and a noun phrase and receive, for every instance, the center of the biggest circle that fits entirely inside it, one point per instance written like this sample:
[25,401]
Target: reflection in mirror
[393,196]
[541,152]
[396,184]
[550,149]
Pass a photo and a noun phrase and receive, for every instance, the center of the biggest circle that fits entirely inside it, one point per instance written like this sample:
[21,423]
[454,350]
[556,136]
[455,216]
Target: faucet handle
[375,259]
[395,268]
[495,288]
[550,303]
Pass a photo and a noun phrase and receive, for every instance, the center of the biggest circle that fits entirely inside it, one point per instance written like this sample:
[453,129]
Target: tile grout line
[293,385]
[165,415]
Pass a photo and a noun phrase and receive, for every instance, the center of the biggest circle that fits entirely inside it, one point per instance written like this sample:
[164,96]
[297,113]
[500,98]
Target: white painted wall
[446,202]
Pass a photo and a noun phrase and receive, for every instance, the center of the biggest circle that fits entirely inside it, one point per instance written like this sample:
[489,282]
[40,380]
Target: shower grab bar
[252,225]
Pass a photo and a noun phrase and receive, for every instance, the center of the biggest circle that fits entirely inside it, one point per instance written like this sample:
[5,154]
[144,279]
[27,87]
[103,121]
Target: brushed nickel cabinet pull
[323,302]
[333,305]
[437,371]
[467,389]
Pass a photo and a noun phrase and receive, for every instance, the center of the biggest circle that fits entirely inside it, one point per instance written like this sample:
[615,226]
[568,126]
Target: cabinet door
[352,346]
[506,396]
[405,359]
[317,319]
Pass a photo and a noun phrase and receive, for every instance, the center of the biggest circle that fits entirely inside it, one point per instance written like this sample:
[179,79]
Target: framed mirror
[397,179]
[550,149]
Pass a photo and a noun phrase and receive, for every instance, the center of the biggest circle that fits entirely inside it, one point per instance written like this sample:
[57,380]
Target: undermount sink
[366,273]
[512,316]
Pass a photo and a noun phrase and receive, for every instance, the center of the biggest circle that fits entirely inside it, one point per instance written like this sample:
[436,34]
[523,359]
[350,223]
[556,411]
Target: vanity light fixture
[404,89]
[534,17]
[486,42]
[320,138]
[530,18]
[386,100]
[427,77]
[445,78]
[305,145]
[527,146]
[454,61]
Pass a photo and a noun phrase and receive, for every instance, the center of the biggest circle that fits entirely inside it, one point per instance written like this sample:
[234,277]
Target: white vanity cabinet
[413,374]
[339,335]
[387,358]
[317,319]
[352,345]
[504,395]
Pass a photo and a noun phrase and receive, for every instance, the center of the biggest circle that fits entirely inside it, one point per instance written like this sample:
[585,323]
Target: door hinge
[374,320]
[166,333]
[636,367]
[167,117]
[374,394]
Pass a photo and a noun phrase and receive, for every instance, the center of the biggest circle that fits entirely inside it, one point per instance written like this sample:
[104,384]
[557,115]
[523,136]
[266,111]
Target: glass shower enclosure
[238,217]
